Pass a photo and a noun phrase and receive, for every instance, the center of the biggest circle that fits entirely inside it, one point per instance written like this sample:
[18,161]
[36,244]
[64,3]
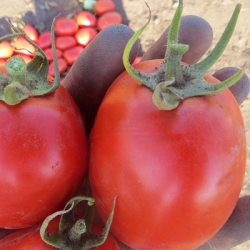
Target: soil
[135,13]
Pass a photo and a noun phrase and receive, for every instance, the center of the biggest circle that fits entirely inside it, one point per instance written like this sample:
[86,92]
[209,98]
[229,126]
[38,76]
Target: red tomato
[65,26]
[6,49]
[65,42]
[108,19]
[44,40]
[49,54]
[86,18]
[30,238]
[70,55]
[25,239]
[62,65]
[4,232]
[3,70]
[110,243]
[2,62]
[26,58]
[104,6]
[85,35]
[137,60]
[43,155]
[177,174]
[24,47]
[31,32]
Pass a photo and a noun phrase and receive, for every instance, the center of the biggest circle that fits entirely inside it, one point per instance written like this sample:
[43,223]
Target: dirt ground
[135,13]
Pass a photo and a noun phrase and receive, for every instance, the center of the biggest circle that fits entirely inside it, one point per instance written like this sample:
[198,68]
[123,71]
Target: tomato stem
[174,50]
[27,80]
[76,233]
[10,36]
[173,82]
[77,230]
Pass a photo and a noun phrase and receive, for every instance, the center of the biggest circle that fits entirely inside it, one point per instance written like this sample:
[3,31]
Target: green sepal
[173,82]
[75,234]
[28,80]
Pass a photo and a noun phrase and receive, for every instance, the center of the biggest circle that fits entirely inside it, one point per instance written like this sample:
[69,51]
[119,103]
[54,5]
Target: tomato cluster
[72,36]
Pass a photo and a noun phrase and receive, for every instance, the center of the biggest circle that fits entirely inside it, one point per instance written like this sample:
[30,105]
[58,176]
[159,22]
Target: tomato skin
[4,232]
[44,40]
[43,155]
[65,42]
[65,26]
[70,55]
[86,18]
[109,18]
[174,171]
[6,50]
[62,66]
[26,58]
[85,35]
[104,6]
[23,47]
[137,60]
[49,54]
[2,62]
[25,239]
[110,243]
[31,32]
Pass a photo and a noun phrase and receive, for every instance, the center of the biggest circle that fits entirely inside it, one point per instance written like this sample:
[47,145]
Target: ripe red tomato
[137,60]
[25,239]
[85,35]
[43,155]
[30,239]
[65,42]
[70,55]
[104,6]
[86,18]
[44,40]
[4,232]
[62,65]
[6,49]
[65,26]
[26,58]
[108,18]
[22,46]
[110,243]
[2,62]
[177,174]
[49,54]
[31,32]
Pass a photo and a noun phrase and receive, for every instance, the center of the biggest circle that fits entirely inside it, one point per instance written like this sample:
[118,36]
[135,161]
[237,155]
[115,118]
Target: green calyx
[173,82]
[75,234]
[27,80]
